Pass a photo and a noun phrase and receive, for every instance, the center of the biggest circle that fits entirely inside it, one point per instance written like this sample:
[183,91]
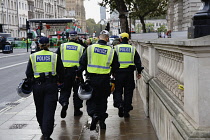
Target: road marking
[13,65]
[10,107]
[13,55]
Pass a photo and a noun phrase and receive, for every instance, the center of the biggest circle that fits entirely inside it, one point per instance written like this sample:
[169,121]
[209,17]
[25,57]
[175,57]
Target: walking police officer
[99,60]
[70,54]
[124,77]
[47,72]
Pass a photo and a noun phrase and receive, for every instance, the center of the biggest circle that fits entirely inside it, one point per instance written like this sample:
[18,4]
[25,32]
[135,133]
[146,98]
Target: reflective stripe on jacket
[100,58]
[125,53]
[71,53]
[43,62]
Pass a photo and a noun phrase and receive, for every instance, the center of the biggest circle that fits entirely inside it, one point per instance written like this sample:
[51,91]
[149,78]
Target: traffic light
[67,34]
[40,26]
[27,25]
[30,35]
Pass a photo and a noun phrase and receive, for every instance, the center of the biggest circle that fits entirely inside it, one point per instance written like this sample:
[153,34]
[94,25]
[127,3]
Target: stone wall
[180,14]
[175,86]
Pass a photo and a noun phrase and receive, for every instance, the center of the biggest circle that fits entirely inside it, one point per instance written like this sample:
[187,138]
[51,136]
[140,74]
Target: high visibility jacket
[125,53]
[43,62]
[71,53]
[100,58]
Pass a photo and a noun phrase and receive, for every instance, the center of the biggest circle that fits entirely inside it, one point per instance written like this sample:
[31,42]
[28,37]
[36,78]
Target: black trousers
[124,85]
[45,98]
[97,104]
[69,83]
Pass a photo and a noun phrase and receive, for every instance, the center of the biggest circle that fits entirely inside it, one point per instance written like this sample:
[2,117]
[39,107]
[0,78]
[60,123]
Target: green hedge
[20,44]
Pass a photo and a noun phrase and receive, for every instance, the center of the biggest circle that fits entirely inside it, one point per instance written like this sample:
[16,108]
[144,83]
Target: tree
[162,28]
[92,27]
[150,27]
[147,8]
[121,7]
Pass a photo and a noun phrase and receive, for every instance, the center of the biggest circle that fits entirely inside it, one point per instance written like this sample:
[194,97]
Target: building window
[12,5]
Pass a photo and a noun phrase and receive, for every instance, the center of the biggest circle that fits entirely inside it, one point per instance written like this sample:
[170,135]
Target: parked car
[5,46]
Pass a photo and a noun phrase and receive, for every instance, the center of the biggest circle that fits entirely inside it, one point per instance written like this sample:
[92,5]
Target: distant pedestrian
[47,72]
[88,42]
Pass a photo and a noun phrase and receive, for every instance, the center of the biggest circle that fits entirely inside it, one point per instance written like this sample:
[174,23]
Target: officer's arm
[60,70]
[58,52]
[29,71]
[83,64]
[137,62]
[115,63]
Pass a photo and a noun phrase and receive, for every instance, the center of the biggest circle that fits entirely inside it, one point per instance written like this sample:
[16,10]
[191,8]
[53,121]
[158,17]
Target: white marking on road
[13,65]
[10,107]
[13,55]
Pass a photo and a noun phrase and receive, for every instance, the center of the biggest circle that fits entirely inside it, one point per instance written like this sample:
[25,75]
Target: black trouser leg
[98,102]
[65,92]
[117,95]
[77,101]
[51,98]
[38,95]
[128,92]
[45,98]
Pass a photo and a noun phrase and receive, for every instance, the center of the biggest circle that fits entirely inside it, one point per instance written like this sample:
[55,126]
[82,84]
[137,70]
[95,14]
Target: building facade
[75,9]
[180,14]
[114,23]
[22,10]
[157,23]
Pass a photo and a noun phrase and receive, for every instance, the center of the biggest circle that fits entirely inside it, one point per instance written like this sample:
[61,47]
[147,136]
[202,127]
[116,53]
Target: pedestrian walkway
[19,123]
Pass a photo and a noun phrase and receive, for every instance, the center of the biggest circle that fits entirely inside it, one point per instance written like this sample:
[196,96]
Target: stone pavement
[18,122]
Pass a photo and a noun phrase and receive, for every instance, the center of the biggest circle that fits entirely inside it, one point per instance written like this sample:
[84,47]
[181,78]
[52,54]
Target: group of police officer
[65,68]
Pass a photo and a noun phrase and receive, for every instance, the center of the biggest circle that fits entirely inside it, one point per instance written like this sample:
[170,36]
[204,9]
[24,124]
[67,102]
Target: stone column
[153,60]
[197,81]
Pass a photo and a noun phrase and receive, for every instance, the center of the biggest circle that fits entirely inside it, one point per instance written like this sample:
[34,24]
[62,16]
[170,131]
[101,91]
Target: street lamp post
[2,6]
[18,20]
[201,22]
[7,18]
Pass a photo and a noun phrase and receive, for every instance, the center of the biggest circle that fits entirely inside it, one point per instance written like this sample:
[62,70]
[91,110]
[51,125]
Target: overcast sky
[92,10]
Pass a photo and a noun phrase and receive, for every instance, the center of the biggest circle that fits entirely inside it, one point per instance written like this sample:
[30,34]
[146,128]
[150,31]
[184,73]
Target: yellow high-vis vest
[100,58]
[43,62]
[71,53]
[125,53]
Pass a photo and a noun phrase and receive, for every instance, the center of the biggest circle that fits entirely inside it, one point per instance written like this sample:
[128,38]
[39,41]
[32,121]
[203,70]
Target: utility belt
[46,78]
[96,75]
[71,69]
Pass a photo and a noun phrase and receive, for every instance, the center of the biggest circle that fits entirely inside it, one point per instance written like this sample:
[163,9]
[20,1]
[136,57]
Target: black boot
[120,111]
[102,124]
[47,138]
[102,121]
[95,119]
[77,112]
[63,111]
[126,114]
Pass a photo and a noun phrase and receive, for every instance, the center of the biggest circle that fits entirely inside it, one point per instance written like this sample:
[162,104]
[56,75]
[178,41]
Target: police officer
[47,72]
[124,77]
[99,60]
[70,54]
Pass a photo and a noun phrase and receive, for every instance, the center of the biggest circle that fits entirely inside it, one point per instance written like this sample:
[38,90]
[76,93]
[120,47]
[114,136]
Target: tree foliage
[121,7]
[148,8]
[138,9]
[93,27]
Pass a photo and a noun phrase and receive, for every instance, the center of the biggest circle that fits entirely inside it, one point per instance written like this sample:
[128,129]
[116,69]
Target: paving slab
[19,123]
